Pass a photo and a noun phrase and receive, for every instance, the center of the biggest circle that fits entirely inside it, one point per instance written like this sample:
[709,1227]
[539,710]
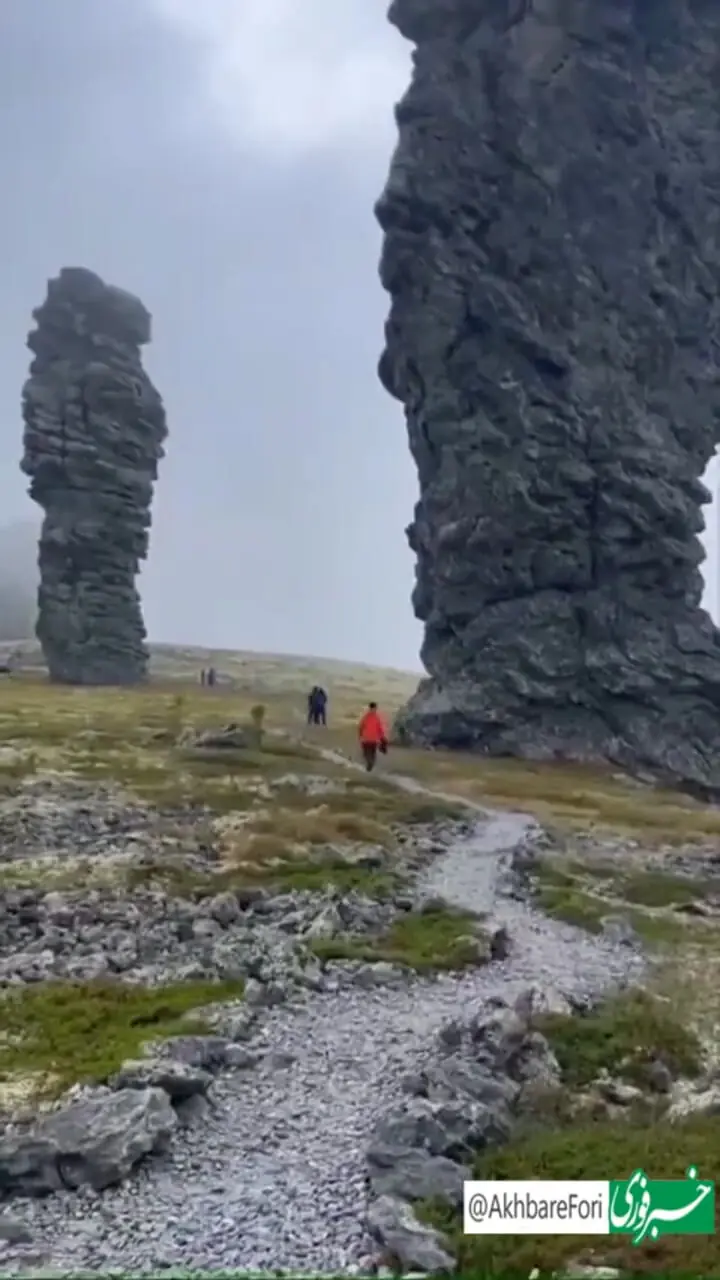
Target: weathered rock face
[94,429]
[552,250]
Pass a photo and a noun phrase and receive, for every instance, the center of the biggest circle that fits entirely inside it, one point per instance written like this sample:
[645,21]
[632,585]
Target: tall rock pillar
[552,253]
[93,437]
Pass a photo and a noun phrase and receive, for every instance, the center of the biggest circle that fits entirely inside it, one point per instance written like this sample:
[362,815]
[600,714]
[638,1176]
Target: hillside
[223,941]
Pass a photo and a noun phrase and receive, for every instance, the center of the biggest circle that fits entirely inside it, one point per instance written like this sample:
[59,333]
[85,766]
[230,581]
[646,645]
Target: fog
[18,579]
[19,574]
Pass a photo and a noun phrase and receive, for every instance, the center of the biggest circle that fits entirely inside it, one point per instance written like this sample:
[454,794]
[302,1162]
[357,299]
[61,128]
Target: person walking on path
[373,736]
[317,705]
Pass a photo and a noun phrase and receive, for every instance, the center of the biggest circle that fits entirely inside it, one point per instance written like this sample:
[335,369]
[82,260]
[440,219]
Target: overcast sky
[220,158]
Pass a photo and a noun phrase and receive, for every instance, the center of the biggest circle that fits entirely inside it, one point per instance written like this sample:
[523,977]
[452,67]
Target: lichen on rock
[552,253]
[93,437]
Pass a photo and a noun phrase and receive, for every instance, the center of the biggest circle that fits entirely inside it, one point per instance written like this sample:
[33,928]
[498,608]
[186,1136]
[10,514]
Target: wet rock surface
[93,438]
[552,257]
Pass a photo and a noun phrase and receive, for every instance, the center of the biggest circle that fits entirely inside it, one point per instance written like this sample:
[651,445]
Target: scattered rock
[259,994]
[451,1035]
[327,924]
[180,1080]
[191,1111]
[693,1102]
[380,974]
[458,1077]
[659,1076]
[417,1175]
[233,737]
[239,1058]
[224,908]
[619,930]
[586,1271]
[618,1091]
[393,1224]
[200,1053]
[500,944]
[14,1232]
[279,1059]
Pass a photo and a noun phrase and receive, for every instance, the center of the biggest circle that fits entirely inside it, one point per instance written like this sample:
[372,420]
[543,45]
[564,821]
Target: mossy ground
[264,818]
[426,942]
[282,874]
[55,1034]
[584,894]
[573,797]
[621,1036]
[129,736]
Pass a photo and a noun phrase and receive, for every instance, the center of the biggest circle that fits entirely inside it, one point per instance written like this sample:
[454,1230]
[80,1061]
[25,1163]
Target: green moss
[552,874]
[658,889]
[572,906]
[664,930]
[594,869]
[561,893]
[70,1032]
[218,784]
[623,1035]
[602,1151]
[417,811]
[380,801]
[425,942]
[317,874]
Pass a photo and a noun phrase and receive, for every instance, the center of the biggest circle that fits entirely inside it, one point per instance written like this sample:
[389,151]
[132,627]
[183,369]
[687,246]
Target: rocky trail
[275,1175]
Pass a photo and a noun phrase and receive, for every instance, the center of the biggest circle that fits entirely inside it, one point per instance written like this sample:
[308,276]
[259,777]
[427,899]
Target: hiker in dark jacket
[317,705]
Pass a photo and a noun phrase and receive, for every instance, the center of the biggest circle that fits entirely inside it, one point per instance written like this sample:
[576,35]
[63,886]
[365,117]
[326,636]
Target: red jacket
[371,730]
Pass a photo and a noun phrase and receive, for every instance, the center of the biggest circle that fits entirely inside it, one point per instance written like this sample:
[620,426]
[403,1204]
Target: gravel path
[275,1179]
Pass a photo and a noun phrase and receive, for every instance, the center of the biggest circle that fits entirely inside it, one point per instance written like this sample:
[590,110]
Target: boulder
[452,1128]
[179,1080]
[93,1142]
[417,1175]
[393,1224]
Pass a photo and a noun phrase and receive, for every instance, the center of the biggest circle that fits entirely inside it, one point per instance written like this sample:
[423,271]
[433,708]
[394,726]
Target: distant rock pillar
[93,437]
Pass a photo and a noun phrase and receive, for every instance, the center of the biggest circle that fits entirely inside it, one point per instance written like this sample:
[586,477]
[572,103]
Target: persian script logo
[648,1208]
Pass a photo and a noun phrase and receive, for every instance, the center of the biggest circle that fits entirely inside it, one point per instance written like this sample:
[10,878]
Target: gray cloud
[224,167]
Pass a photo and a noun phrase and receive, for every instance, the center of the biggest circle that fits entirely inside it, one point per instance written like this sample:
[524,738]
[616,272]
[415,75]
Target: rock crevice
[93,438]
[552,254]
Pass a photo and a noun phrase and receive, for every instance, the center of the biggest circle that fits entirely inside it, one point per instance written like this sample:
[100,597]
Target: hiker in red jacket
[373,736]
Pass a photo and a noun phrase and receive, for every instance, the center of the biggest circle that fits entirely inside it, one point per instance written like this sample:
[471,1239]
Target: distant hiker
[202,676]
[210,678]
[373,735]
[317,705]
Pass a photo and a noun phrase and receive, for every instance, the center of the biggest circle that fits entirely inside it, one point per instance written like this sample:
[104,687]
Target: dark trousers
[317,715]
[369,750]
